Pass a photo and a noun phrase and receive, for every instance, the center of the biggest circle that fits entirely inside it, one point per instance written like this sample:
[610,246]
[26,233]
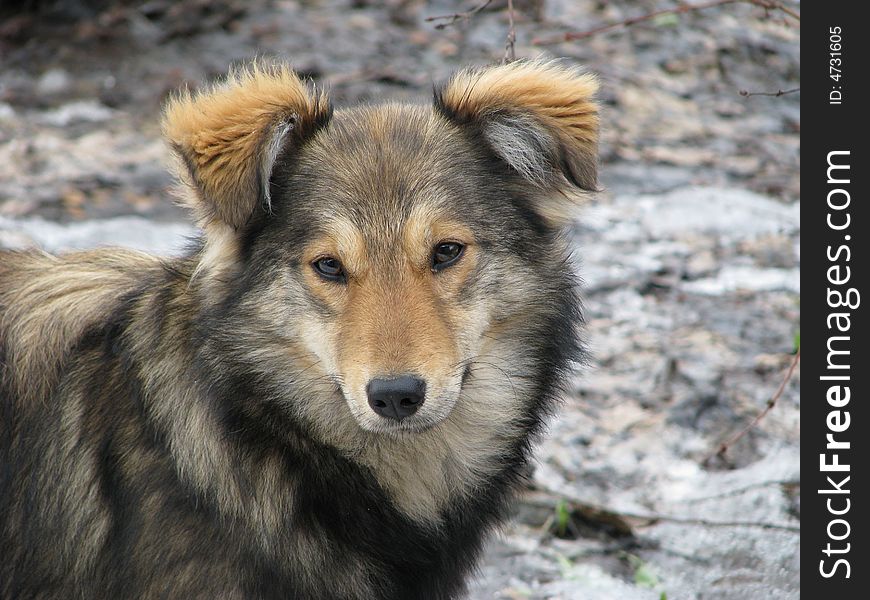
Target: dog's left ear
[540,118]
[229,137]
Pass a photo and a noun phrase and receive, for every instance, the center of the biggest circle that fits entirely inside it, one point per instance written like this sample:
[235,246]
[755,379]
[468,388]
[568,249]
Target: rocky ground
[690,255]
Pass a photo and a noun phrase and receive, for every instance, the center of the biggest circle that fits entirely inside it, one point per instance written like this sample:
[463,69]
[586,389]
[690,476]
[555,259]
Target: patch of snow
[130,232]
[747,279]
[77,112]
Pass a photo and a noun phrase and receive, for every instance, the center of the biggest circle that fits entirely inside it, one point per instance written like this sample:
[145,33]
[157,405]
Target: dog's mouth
[429,418]
[410,426]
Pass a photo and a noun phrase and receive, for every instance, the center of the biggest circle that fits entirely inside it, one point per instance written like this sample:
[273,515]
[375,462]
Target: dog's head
[387,252]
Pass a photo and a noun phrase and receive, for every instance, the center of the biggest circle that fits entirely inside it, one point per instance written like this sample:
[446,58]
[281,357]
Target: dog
[333,393]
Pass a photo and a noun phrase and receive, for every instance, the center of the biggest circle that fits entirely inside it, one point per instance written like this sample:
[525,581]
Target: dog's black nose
[396,398]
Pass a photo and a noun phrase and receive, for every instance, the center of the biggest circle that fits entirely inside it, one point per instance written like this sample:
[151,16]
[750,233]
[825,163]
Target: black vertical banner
[835,421]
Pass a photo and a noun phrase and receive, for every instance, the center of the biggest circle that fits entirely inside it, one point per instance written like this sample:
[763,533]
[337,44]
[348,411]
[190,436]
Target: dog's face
[392,266]
[399,245]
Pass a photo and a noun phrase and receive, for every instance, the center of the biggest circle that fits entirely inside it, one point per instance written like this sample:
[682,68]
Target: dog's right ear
[229,137]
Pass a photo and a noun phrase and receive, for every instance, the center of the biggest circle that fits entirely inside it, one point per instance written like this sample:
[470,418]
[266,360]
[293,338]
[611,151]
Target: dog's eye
[446,254]
[329,268]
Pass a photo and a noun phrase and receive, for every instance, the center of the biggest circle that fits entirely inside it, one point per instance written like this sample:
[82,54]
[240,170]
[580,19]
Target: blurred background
[690,255]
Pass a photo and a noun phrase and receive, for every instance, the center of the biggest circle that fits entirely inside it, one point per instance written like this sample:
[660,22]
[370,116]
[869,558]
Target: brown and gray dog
[333,394]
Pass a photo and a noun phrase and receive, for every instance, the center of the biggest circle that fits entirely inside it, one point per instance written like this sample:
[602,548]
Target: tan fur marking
[227,134]
[343,242]
[560,96]
[219,258]
[535,114]
[424,229]
[392,324]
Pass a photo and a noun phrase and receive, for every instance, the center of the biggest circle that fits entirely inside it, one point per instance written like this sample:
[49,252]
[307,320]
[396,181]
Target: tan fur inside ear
[229,136]
[539,116]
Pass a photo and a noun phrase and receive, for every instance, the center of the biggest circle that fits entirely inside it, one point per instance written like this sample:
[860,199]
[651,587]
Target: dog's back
[47,302]
[51,516]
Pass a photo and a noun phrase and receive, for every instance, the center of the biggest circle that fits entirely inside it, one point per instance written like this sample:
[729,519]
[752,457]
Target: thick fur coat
[208,426]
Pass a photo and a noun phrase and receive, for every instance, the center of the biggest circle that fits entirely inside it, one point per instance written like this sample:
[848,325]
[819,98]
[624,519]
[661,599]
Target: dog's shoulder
[47,302]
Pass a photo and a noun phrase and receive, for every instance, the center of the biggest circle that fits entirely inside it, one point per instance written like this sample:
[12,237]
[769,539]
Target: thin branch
[683,8]
[709,523]
[509,52]
[724,446]
[650,518]
[776,94]
[453,18]
[781,7]
[738,491]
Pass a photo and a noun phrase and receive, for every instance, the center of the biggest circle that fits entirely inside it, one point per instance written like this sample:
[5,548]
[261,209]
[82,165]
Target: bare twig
[709,523]
[777,94]
[724,446]
[509,52]
[453,18]
[739,491]
[648,518]
[371,74]
[768,5]
[779,6]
